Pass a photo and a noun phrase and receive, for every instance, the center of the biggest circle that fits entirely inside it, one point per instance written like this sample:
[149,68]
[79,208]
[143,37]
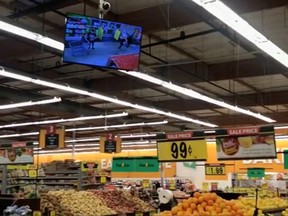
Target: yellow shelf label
[32,173]
[37,213]
[103,179]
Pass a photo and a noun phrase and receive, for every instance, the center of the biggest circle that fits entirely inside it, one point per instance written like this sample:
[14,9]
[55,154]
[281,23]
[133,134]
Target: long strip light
[122,136]
[96,147]
[238,24]
[89,128]
[85,118]
[132,143]
[31,35]
[18,135]
[99,96]
[193,94]
[30,103]
[118,126]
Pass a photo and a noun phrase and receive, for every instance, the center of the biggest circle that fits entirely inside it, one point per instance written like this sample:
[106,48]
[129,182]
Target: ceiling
[211,59]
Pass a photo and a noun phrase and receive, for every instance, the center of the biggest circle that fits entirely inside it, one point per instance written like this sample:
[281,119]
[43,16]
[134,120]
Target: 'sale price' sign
[184,146]
[215,169]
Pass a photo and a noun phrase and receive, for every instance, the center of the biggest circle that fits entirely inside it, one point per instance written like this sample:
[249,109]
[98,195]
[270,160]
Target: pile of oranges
[205,204]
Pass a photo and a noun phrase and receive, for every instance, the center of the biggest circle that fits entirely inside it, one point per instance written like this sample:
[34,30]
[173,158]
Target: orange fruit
[194,200]
[185,205]
[235,208]
[193,206]
[203,204]
[187,213]
[200,199]
[214,196]
[180,213]
[197,194]
[175,210]
[218,210]
[210,202]
[180,205]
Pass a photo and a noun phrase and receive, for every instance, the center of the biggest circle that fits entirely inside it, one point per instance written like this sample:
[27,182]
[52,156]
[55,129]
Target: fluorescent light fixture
[137,135]
[209,132]
[193,94]
[31,35]
[85,118]
[83,140]
[30,103]
[89,128]
[238,24]
[18,135]
[122,136]
[278,137]
[118,126]
[124,144]
[281,127]
[101,97]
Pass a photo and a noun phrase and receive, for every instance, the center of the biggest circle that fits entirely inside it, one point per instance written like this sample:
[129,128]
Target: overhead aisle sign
[246,143]
[110,144]
[52,137]
[183,146]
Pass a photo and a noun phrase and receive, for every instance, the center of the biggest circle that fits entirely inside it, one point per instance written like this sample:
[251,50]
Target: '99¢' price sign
[184,150]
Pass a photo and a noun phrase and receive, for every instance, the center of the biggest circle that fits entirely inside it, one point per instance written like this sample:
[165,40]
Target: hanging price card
[175,148]
[215,169]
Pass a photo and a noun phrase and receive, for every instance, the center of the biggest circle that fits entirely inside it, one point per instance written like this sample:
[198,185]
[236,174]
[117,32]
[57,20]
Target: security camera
[105,6]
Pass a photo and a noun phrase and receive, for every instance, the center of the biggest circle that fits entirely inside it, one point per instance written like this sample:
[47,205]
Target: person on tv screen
[91,38]
[124,39]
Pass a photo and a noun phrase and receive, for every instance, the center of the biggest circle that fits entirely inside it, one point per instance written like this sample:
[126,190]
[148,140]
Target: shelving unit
[60,179]
[3,174]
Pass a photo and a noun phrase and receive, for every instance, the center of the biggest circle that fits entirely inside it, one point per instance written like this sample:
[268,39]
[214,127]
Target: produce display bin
[8,201]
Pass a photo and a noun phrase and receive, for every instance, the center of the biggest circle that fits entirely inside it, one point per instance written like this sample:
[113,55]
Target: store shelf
[60,183]
[62,172]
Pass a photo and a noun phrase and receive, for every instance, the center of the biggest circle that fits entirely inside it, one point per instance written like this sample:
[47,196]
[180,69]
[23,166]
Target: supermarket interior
[143,108]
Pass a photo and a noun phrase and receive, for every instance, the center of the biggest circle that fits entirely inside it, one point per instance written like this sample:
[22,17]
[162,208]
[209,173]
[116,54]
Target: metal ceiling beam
[168,41]
[243,120]
[178,16]
[40,8]
[265,99]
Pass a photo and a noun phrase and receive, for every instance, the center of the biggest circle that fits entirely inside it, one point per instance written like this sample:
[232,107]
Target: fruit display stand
[211,204]
[93,202]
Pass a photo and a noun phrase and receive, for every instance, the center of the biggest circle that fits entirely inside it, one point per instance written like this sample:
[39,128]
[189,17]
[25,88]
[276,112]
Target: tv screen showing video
[102,43]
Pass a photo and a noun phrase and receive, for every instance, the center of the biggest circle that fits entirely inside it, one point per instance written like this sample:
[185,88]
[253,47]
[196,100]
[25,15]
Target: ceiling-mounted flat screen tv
[101,43]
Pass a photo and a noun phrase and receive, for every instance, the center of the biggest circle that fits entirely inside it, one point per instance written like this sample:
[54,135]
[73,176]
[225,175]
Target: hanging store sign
[110,144]
[183,146]
[16,153]
[246,143]
[52,137]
